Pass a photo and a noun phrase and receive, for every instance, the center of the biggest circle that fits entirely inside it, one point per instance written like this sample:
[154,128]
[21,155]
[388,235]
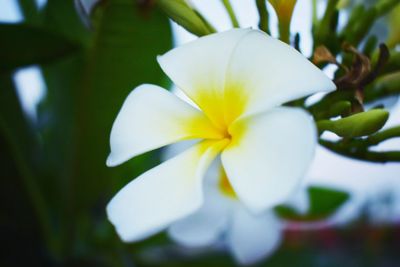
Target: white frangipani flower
[222,218]
[237,79]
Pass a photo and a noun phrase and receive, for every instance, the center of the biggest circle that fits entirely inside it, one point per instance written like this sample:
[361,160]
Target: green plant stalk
[361,20]
[361,154]
[393,64]
[209,26]
[386,85]
[264,16]
[284,31]
[314,13]
[323,29]
[231,13]
[383,135]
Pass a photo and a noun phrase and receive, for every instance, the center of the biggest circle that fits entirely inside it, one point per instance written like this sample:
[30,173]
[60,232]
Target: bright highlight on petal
[163,194]
[270,156]
[152,117]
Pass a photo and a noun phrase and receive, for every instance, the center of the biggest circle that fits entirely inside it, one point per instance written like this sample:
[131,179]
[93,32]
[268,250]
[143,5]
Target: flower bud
[181,12]
[284,11]
[360,124]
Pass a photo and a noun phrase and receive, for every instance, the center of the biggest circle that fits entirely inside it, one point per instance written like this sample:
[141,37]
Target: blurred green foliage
[54,182]
[59,161]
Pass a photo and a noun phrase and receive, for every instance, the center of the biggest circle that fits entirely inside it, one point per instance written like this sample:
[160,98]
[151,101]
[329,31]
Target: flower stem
[361,153]
[384,135]
[264,16]
[231,13]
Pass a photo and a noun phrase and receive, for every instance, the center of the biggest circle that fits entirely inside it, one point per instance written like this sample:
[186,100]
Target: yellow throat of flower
[225,186]
[223,108]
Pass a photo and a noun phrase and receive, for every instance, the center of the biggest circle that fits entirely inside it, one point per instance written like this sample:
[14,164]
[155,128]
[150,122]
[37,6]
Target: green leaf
[85,91]
[23,44]
[21,146]
[323,203]
[360,124]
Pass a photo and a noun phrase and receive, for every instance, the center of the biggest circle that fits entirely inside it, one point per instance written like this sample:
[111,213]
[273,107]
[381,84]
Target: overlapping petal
[241,72]
[206,225]
[269,155]
[152,117]
[199,68]
[252,238]
[163,194]
[270,73]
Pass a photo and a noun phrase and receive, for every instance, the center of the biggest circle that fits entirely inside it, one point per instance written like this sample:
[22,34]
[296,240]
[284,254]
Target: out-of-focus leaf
[324,202]
[20,145]
[29,9]
[22,45]
[85,92]
[60,16]
[123,55]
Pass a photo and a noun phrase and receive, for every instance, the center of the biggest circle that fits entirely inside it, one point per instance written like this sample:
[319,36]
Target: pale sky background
[366,181]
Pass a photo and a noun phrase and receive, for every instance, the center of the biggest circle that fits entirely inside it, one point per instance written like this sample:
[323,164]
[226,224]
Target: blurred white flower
[249,237]
[237,79]
[223,218]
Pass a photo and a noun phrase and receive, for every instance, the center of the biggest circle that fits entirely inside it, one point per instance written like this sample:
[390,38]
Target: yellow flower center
[225,186]
[223,108]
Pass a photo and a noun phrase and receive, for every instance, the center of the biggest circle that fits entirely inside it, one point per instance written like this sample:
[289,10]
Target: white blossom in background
[222,218]
[238,79]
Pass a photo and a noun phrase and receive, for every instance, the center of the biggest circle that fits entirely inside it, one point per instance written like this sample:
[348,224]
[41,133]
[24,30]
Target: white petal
[269,155]
[152,117]
[299,200]
[253,238]
[199,67]
[163,194]
[205,226]
[272,73]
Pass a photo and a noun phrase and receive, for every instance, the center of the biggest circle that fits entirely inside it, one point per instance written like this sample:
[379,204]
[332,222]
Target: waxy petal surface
[199,68]
[252,238]
[270,73]
[164,194]
[269,156]
[150,118]
[205,226]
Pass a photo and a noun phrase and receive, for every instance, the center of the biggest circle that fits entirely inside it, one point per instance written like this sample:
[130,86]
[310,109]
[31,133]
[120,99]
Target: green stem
[209,26]
[231,13]
[383,135]
[264,16]
[361,153]
[314,13]
[284,31]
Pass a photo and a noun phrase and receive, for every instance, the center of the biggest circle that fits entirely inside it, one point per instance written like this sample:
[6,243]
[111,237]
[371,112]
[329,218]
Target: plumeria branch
[361,153]
[383,136]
